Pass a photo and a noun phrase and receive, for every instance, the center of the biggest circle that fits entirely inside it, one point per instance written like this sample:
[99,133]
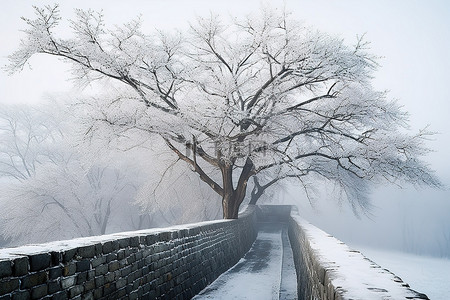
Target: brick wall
[328,269]
[175,263]
[178,262]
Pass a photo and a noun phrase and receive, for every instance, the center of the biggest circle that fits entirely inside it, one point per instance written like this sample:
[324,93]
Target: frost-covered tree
[66,200]
[50,191]
[25,134]
[260,96]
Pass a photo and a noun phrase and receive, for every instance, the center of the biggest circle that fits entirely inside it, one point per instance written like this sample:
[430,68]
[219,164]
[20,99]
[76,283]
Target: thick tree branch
[203,176]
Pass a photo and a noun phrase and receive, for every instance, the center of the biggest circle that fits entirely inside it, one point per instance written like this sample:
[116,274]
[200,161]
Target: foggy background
[413,39]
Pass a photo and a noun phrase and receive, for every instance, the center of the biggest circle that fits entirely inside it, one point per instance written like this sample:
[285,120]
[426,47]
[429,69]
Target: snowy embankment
[332,270]
[430,275]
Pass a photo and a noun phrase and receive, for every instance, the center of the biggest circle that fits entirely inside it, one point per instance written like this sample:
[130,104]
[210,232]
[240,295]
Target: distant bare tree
[258,96]
[443,240]
[25,134]
[49,190]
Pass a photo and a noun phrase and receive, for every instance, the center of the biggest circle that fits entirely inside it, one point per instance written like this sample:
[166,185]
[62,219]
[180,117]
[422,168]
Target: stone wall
[327,269]
[175,263]
[178,262]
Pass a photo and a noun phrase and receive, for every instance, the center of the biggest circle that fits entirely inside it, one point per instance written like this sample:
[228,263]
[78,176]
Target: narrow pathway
[266,272]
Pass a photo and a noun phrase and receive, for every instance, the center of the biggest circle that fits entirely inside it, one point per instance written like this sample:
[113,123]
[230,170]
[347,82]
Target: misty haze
[147,116]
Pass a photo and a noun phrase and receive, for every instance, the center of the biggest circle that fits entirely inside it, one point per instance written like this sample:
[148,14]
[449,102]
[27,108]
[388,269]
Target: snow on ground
[288,288]
[257,275]
[428,275]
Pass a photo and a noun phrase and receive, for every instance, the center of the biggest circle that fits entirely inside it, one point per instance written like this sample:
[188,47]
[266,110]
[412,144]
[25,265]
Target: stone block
[5,268]
[129,289]
[139,273]
[21,295]
[125,271]
[164,236]
[98,249]
[8,285]
[83,265]
[115,245]
[98,261]
[57,258]
[91,274]
[20,266]
[39,291]
[120,293]
[142,240]
[151,239]
[124,242]
[133,295]
[127,252]
[148,260]
[75,291]
[113,266]
[101,270]
[98,293]
[136,284]
[145,289]
[120,254]
[69,269]
[86,251]
[134,241]
[68,282]
[131,259]
[39,261]
[121,283]
[109,288]
[60,296]
[109,277]
[99,281]
[55,272]
[139,255]
[35,279]
[107,247]
[69,254]
[110,257]
[117,275]
[54,286]
[88,296]
[89,285]
[152,295]
[81,277]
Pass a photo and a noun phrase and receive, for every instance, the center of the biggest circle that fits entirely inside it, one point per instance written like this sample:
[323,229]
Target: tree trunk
[258,189]
[255,197]
[232,198]
[230,205]
[230,211]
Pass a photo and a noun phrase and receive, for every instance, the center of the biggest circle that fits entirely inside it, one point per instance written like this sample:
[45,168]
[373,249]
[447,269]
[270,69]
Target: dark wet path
[265,272]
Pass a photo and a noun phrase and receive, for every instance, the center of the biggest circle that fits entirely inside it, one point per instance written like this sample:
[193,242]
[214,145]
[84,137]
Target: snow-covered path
[265,272]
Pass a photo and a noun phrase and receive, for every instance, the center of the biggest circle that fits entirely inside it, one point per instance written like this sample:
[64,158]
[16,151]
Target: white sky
[413,36]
